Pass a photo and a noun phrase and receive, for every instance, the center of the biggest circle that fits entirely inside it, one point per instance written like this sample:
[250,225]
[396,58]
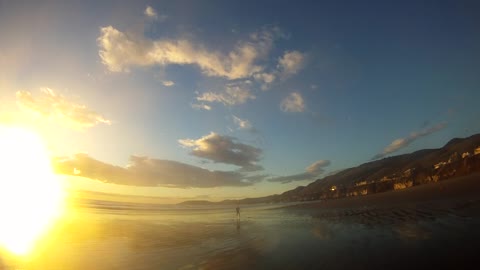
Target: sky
[232,99]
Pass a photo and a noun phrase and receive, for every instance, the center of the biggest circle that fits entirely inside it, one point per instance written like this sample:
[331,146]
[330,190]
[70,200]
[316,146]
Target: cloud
[404,142]
[265,79]
[233,94]
[120,51]
[145,171]
[242,123]
[225,149]
[311,172]
[56,108]
[291,62]
[168,83]
[201,107]
[293,103]
[150,12]
[317,167]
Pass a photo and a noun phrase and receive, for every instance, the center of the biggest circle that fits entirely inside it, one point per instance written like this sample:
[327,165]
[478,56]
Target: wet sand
[425,227]
[434,226]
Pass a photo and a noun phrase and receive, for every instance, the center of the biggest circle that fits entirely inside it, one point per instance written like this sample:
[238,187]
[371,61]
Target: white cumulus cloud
[120,51]
[224,149]
[291,62]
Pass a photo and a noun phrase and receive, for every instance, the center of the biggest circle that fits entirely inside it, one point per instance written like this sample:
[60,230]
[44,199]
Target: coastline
[455,190]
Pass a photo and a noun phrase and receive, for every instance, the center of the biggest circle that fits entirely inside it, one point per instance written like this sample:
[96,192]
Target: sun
[31,196]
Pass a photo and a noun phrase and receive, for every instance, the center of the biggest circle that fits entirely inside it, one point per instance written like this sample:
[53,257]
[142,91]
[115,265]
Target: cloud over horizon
[311,172]
[404,142]
[225,149]
[150,172]
[54,107]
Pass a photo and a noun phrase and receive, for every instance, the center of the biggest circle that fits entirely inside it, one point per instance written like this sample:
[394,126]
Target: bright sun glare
[31,196]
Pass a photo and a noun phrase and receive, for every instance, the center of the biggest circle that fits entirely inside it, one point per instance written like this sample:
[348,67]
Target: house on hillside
[439,165]
[361,183]
[407,173]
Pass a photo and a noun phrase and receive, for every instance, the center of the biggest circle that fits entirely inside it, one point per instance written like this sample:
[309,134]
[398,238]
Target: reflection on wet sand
[262,239]
[411,232]
[322,231]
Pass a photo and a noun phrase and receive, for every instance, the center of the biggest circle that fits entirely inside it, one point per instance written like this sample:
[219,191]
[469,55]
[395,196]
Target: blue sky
[260,96]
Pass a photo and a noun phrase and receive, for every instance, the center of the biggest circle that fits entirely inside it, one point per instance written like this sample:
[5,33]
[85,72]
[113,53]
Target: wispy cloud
[201,106]
[150,172]
[288,65]
[404,142]
[242,123]
[224,149]
[265,77]
[311,172]
[120,51]
[168,83]
[54,107]
[233,94]
[293,103]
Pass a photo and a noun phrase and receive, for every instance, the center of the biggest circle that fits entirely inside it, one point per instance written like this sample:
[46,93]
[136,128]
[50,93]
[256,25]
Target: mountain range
[458,157]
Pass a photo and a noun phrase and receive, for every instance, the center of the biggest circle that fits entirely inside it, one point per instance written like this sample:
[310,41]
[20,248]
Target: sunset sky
[232,99]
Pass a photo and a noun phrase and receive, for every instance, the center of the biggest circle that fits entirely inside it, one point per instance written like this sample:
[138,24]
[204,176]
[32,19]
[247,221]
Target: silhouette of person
[238,212]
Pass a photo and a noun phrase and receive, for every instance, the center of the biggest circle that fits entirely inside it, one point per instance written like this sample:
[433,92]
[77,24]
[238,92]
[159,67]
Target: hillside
[458,157]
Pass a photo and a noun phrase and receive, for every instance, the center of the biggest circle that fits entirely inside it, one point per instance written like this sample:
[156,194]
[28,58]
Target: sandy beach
[460,189]
[434,225]
[424,227]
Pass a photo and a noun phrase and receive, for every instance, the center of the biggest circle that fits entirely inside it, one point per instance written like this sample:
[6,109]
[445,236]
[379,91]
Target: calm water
[101,235]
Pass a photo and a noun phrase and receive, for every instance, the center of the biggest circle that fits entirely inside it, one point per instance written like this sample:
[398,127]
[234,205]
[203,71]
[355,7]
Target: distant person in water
[238,212]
